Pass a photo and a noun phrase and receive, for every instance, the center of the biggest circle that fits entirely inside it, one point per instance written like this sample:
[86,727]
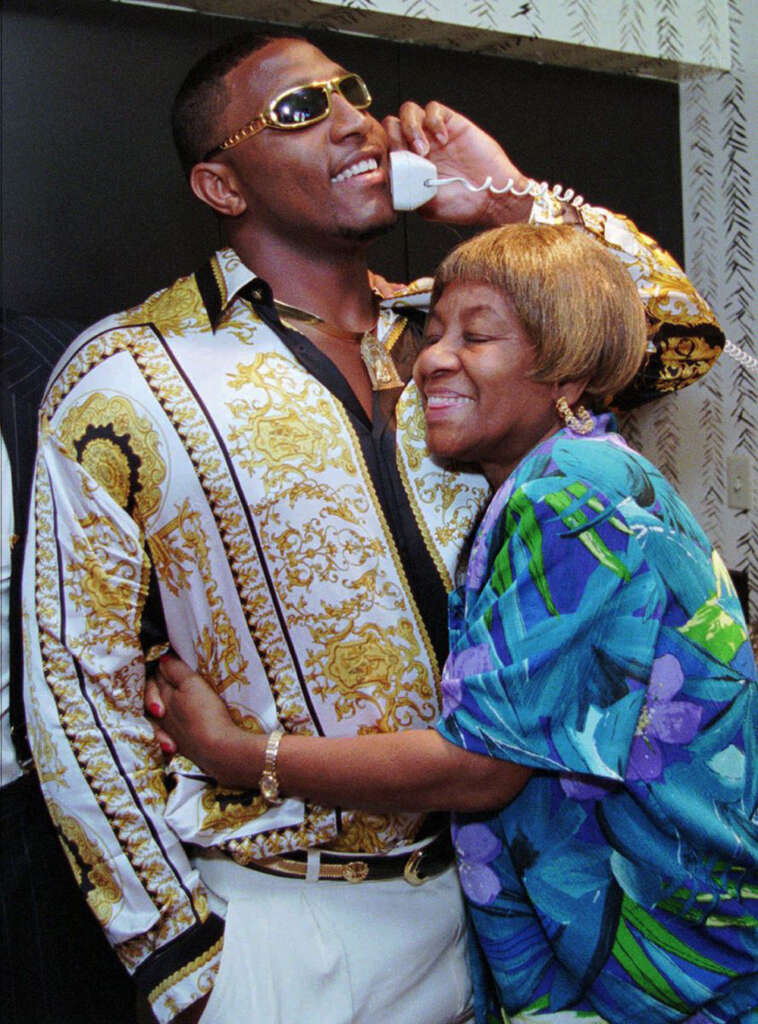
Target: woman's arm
[416,770]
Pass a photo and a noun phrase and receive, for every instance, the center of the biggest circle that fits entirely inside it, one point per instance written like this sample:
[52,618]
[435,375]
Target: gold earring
[580,422]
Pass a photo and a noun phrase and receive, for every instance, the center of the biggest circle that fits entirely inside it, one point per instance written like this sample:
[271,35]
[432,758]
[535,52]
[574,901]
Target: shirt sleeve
[684,337]
[9,769]
[550,659]
[86,584]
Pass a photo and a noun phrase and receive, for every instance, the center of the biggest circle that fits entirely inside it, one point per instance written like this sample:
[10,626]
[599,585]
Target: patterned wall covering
[653,37]
[691,435]
[663,28]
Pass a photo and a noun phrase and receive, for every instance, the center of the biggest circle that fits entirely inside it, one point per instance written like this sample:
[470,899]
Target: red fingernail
[155,709]
[164,657]
[166,747]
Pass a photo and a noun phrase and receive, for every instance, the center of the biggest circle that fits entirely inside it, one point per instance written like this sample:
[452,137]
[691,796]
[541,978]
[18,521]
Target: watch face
[269,788]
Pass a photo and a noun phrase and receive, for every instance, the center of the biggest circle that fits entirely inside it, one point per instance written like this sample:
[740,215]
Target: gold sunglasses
[297,108]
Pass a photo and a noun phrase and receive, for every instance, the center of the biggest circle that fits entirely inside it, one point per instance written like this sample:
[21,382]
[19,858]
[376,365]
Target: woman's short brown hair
[576,300]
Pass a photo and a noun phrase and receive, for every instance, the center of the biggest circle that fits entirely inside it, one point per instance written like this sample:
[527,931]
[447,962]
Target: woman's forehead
[471,298]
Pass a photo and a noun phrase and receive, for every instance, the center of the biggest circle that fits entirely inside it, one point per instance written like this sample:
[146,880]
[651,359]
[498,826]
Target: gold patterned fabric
[202,481]
[684,337]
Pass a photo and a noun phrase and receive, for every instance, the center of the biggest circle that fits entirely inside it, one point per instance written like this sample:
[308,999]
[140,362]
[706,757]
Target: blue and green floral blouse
[598,639]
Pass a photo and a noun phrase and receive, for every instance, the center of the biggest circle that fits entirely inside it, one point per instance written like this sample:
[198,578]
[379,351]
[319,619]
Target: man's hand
[190,718]
[459,148]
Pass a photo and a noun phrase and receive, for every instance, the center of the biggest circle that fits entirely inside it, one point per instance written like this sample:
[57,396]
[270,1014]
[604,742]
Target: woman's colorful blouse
[598,639]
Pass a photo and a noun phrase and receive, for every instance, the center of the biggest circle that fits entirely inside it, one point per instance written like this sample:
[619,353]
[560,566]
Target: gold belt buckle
[355,871]
[410,871]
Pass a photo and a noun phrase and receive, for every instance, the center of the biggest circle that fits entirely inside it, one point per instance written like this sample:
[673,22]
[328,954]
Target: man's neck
[332,283]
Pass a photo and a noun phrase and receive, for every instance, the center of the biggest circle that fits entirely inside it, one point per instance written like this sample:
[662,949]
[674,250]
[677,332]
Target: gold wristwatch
[269,782]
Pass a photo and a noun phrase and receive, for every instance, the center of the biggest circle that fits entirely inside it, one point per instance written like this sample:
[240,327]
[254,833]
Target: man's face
[303,180]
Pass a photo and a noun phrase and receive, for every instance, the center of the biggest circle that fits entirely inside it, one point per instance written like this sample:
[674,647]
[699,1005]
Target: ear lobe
[215,184]
[572,390]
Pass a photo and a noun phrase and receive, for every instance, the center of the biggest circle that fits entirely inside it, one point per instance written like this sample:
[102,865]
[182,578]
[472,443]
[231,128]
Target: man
[237,467]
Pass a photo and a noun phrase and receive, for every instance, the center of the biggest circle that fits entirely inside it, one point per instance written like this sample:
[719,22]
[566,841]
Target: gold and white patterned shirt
[205,478]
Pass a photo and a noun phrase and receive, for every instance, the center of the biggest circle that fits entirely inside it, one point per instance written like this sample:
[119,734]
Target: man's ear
[215,184]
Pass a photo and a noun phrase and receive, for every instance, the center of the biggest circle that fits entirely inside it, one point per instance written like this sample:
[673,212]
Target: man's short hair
[202,96]
[576,301]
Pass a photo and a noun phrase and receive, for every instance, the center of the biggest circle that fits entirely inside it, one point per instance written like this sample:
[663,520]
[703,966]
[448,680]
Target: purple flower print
[662,720]
[475,847]
[468,662]
[573,787]
[452,692]
[477,563]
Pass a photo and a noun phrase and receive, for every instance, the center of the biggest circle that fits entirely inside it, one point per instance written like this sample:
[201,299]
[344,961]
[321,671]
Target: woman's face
[480,404]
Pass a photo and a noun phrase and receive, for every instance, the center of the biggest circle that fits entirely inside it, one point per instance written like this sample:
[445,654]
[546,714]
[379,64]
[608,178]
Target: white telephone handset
[412,179]
[414,182]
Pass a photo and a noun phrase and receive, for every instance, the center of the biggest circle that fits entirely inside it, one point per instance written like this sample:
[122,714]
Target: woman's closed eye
[468,338]
[477,338]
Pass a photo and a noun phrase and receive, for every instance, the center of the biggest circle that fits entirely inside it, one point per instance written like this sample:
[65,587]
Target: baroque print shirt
[207,479]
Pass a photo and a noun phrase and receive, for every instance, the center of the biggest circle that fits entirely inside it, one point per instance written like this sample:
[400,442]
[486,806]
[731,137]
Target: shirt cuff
[183,971]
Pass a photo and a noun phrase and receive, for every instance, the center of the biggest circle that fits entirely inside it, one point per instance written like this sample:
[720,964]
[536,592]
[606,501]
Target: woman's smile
[439,401]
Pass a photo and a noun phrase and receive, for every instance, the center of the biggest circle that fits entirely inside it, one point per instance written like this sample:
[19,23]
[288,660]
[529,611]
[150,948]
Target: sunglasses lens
[301,105]
[354,90]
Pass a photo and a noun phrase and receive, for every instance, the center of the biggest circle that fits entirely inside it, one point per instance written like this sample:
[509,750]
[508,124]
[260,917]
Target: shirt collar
[224,276]
[221,279]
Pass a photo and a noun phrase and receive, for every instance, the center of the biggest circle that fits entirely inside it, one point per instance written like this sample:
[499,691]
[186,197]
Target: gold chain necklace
[377,360]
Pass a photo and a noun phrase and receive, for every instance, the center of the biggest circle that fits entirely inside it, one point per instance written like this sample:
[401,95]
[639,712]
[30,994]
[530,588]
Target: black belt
[416,867]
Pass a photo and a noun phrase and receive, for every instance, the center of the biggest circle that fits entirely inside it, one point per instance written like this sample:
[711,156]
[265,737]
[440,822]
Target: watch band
[269,781]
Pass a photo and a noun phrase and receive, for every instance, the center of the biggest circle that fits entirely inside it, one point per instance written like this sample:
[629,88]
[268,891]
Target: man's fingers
[435,121]
[406,131]
[420,126]
[394,132]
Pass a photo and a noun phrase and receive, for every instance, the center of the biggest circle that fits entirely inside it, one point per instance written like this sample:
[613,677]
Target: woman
[600,706]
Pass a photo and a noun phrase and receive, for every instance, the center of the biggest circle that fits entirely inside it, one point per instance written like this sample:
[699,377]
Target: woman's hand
[191,719]
[458,147]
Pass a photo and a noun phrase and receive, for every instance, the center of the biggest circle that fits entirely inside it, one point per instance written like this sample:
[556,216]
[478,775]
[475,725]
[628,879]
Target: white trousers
[300,952]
